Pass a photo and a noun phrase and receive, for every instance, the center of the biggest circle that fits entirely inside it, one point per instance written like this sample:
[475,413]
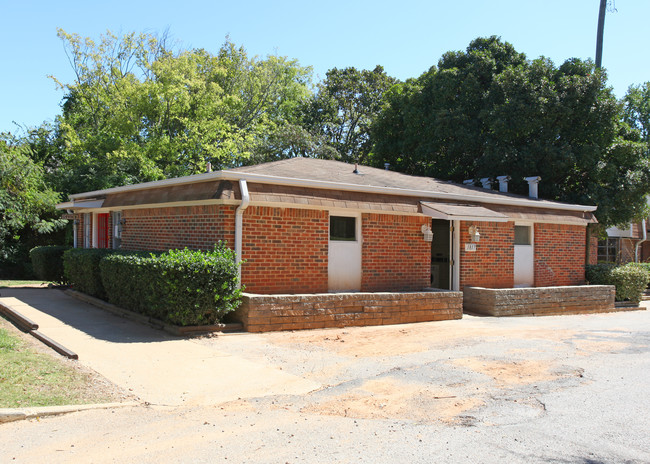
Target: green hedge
[630,279]
[181,287]
[645,266]
[47,262]
[81,270]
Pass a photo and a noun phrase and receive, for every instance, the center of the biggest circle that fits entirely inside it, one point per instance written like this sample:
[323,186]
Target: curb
[15,414]
[27,325]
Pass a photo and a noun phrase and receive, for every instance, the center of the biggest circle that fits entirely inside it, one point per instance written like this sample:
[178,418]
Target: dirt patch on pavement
[237,405]
[511,373]
[408,338]
[392,399]
[587,347]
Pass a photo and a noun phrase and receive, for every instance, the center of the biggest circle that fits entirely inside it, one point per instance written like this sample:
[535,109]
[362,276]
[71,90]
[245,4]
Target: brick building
[625,244]
[312,226]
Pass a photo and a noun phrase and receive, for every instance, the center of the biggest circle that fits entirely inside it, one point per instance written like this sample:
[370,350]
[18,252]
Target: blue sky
[405,36]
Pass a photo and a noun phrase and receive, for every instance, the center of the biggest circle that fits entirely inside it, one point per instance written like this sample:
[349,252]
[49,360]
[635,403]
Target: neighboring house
[310,226]
[626,245]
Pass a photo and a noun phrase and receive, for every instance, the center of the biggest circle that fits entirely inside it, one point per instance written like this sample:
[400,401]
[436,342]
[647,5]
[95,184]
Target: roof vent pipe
[486,183]
[356,169]
[532,186]
[386,166]
[208,167]
[503,183]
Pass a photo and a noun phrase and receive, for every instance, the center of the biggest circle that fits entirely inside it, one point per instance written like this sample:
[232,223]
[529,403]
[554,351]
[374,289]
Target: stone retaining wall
[539,301]
[264,313]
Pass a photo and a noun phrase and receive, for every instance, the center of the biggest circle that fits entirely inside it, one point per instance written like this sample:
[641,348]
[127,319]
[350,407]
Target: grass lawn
[33,377]
[21,283]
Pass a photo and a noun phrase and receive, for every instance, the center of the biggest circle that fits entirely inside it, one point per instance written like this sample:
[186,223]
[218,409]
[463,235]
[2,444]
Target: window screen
[608,250]
[343,228]
[522,235]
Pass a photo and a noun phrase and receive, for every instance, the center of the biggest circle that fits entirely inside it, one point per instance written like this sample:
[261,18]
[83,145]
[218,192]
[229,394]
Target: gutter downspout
[239,225]
[638,244]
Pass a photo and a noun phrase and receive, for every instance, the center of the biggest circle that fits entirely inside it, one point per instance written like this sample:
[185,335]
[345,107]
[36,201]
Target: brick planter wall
[264,313]
[539,301]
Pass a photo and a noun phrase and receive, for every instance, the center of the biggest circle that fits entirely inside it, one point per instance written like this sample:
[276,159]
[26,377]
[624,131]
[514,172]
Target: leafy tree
[27,210]
[636,109]
[489,111]
[138,111]
[343,109]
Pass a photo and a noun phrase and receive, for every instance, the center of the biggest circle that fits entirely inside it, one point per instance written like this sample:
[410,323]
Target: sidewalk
[159,368]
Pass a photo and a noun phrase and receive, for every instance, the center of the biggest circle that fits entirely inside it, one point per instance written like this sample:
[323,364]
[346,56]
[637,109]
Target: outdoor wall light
[122,222]
[426,231]
[474,235]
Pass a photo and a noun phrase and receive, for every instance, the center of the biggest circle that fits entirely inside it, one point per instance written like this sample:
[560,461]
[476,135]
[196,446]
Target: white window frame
[116,218]
[87,230]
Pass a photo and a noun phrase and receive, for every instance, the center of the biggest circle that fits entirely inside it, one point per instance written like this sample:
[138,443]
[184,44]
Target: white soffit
[450,212]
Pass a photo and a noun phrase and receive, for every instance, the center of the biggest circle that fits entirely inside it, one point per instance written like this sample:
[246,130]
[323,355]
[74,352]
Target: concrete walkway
[159,368]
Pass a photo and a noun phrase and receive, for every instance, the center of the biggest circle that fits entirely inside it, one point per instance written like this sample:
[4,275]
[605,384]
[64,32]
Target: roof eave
[291,181]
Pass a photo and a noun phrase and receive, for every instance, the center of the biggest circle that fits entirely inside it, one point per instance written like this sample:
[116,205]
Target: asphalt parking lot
[562,389]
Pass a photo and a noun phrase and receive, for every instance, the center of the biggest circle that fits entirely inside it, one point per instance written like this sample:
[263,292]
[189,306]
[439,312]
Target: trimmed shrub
[599,274]
[125,278]
[645,266]
[630,280]
[81,269]
[181,287]
[47,262]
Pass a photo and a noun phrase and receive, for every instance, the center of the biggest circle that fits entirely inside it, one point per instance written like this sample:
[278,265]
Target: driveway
[565,389]
[159,368]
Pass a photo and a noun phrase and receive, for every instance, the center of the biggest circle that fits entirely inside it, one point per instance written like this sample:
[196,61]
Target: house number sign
[470,247]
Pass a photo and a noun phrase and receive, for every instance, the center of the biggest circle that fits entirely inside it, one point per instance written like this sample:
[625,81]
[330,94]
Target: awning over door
[454,212]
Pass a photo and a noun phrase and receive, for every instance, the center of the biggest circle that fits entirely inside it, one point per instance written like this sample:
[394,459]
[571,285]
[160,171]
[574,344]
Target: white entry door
[344,259]
[524,266]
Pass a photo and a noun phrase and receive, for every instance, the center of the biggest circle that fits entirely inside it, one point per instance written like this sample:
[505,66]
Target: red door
[102,230]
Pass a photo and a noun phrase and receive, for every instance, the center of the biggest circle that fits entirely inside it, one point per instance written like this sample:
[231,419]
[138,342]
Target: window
[522,235]
[343,228]
[117,229]
[87,230]
[608,250]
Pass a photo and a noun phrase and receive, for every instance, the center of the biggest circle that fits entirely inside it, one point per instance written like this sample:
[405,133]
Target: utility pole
[599,34]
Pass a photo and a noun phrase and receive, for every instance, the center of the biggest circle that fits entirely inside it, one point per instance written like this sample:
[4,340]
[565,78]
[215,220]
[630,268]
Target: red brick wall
[194,227]
[394,255]
[645,252]
[492,264]
[593,248]
[111,230]
[285,250]
[559,255]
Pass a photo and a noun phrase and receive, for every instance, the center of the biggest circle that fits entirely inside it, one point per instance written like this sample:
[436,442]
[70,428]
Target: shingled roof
[301,180]
[336,172]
